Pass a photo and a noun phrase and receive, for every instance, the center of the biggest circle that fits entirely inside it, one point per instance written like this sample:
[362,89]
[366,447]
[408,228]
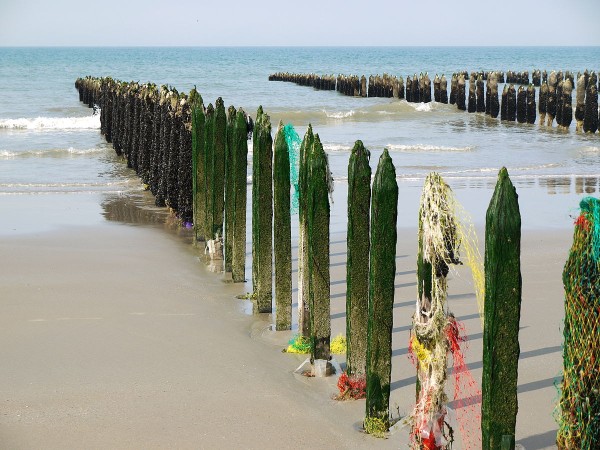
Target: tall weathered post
[357,262]
[303,273]
[492,98]
[580,102]
[317,212]
[283,230]
[382,271]
[240,167]
[229,189]
[531,106]
[460,93]
[472,103]
[219,155]
[502,312]
[262,212]
[443,90]
[590,118]
[543,102]
[521,105]
[551,101]
[209,157]
[480,94]
[199,174]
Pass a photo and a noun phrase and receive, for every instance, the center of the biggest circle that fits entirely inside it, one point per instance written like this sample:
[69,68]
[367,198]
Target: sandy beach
[115,335]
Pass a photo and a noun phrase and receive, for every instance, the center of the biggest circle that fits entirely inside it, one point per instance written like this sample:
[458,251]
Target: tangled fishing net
[435,331]
[579,415]
[293,142]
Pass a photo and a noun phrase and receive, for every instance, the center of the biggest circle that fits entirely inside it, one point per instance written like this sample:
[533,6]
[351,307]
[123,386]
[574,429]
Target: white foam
[422,107]
[52,123]
[336,148]
[49,153]
[427,148]
[339,114]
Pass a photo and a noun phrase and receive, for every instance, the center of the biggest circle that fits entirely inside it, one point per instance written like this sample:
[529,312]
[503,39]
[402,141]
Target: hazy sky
[308,22]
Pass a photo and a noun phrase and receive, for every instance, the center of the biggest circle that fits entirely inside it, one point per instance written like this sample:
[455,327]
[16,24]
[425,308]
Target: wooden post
[317,211]
[382,271]
[502,312]
[283,243]
[240,168]
[219,151]
[303,273]
[229,189]
[357,262]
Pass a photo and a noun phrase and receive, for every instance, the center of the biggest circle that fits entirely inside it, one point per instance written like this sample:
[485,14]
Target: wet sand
[114,335]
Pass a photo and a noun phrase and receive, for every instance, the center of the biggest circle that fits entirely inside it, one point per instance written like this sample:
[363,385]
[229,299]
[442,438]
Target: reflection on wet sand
[563,185]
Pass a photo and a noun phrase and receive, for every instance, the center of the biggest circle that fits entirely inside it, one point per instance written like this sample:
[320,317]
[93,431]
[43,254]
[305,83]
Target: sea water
[50,143]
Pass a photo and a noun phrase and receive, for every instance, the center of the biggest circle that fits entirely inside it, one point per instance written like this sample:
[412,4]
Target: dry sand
[116,336]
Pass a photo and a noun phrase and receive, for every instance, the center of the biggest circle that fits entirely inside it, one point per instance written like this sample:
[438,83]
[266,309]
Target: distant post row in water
[514,104]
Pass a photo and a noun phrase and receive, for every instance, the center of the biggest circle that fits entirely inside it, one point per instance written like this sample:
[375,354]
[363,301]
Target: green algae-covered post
[199,175]
[502,312]
[220,144]
[317,214]
[240,166]
[357,263]
[283,230]
[303,279]
[262,213]
[382,271]
[209,153]
[579,414]
[229,189]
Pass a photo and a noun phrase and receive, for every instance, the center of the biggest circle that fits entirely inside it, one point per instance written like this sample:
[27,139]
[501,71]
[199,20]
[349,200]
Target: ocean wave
[52,123]
[49,153]
[417,148]
[422,107]
[334,148]
[339,114]
[591,149]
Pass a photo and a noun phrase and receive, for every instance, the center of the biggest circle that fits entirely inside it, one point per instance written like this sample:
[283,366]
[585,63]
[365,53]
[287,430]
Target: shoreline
[117,325]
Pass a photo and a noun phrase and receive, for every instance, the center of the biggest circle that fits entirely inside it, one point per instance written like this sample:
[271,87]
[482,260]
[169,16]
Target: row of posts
[209,149]
[513,104]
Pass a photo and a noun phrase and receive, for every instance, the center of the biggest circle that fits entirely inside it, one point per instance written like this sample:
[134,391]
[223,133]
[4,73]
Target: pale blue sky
[308,22]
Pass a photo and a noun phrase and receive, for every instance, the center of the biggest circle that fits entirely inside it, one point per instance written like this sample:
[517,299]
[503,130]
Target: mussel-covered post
[460,93]
[382,271]
[590,120]
[303,273]
[357,262]
[502,312]
[318,251]
[220,137]
[262,212]
[580,102]
[240,165]
[229,189]
[209,156]
[199,175]
[531,106]
[283,243]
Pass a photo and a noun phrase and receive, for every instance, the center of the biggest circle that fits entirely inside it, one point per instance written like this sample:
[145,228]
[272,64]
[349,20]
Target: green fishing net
[579,406]
[293,142]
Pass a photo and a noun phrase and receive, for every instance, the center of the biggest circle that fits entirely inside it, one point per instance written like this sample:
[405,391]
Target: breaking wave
[52,123]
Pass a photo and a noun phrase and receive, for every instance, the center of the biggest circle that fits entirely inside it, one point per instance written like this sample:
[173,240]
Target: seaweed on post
[239,170]
[262,212]
[220,144]
[357,262]
[317,214]
[303,274]
[502,312]
[382,271]
[283,243]
[198,167]
[229,190]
